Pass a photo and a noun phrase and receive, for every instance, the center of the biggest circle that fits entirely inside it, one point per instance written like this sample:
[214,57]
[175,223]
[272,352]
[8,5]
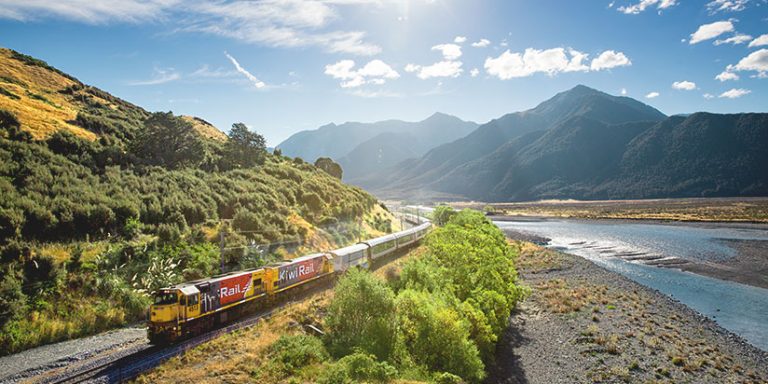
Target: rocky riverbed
[583,323]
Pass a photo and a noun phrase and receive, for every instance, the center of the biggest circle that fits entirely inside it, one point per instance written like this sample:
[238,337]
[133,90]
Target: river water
[740,308]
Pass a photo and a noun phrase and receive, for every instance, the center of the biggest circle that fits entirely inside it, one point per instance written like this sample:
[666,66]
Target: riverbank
[748,263]
[583,323]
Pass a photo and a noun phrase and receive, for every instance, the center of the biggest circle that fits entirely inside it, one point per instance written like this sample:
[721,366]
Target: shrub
[40,272]
[443,214]
[447,378]
[12,299]
[436,336]
[329,166]
[132,228]
[357,368]
[362,316]
[291,353]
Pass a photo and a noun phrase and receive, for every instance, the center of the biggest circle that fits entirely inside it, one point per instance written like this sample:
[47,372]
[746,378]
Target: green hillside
[105,202]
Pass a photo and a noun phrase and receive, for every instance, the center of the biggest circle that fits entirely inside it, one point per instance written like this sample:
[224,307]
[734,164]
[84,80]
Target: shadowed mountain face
[586,144]
[363,148]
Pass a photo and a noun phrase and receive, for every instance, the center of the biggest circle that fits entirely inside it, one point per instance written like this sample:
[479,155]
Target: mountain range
[586,144]
[363,149]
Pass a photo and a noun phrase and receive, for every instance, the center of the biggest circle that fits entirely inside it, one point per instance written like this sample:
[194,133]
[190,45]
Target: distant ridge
[586,144]
[366,148]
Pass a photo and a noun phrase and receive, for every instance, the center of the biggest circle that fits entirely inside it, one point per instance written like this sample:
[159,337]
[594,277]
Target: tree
[169,141]
[362,316]
[443,214]
[244,149]
[329,166]
[436,336]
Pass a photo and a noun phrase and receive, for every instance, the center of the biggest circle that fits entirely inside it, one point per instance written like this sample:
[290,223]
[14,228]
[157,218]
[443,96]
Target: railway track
[114,369]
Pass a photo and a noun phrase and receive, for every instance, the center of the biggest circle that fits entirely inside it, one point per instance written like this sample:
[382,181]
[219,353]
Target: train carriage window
[257,283]
[193,300]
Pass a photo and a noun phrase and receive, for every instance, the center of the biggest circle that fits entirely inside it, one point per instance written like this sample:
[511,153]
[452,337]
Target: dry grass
[206,129]
[533,258]
[558,296]
[239,357]
[34,86]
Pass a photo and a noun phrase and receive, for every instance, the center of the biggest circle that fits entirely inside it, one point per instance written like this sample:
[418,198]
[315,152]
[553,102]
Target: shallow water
[740,308]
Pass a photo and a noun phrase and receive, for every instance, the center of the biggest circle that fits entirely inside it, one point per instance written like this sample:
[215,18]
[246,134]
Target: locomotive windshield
[162,298]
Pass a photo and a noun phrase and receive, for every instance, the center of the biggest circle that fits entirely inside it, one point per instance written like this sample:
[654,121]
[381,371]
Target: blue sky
[282,66]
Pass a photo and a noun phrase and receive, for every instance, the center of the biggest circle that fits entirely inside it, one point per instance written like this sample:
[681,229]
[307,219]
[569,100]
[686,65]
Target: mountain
[579,101]
[584,144]
[362,148]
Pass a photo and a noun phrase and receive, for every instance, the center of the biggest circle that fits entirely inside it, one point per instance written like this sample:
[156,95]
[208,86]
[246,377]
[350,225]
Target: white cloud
[482,43]
[756,61]
[735,93]
[652,95]
[708,96]
[256,82]
[738,38]
[726,5]
[710,31]
[645,4]
[759,41]
[374,72]
[273,23]
[610,59]
[449,51]
[550,61]
[623,91]
[459,39]
[474,72]
[206,72]
[440,69]
[86,11]
[727,75]
[159,76]
[684,85]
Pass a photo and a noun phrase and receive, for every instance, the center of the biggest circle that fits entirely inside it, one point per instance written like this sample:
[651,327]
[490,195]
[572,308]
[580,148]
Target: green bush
[357,368]
[12,298]
[291,353]
[362,316]
[447,378]
[436,336]
[443,214]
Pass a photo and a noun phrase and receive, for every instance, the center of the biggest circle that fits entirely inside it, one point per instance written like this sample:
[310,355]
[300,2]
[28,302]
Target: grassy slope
[33,94]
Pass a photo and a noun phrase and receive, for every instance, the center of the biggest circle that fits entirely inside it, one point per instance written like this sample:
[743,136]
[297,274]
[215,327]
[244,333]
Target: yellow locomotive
[194,307]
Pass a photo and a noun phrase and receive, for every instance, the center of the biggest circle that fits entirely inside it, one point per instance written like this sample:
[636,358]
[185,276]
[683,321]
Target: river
[739,308]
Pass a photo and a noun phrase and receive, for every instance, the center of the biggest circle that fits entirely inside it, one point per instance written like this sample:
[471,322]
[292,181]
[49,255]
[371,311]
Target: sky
[282,66]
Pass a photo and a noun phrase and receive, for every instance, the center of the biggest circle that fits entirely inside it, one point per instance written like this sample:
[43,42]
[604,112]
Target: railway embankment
[583,323]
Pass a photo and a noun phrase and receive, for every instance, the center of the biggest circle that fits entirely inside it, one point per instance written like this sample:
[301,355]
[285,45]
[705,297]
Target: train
[188,309]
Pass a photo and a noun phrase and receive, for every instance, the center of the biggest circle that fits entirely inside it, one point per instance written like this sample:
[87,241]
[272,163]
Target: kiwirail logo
[297,272]
[234,289]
